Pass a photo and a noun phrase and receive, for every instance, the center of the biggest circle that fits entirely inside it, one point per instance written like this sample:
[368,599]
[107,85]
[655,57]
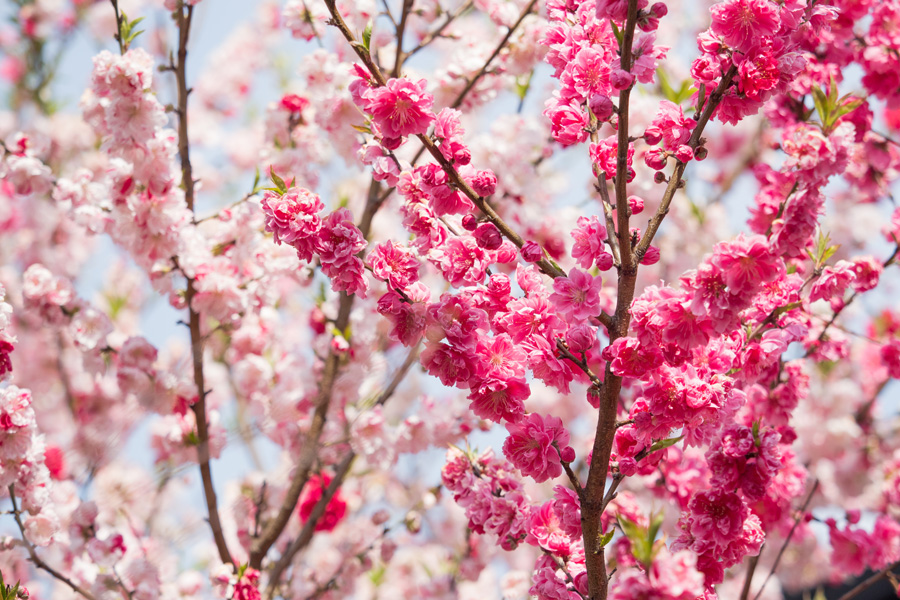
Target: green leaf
[685,89]
[660,444]
[523,87]
[607,537]
[616,32]
[367,35]
[278,181]
[821,102]
[664,84]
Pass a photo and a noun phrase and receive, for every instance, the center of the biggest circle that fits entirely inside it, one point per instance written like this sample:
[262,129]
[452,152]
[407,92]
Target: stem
[472,81]
[309,451]
[595,500]
[859,589]
[674,181]
[788,538]
[183,19]
[343,469]
[400,57]
[621,179]
[118,36]
[748,578]
[32,553]
[449,18]
[306,534]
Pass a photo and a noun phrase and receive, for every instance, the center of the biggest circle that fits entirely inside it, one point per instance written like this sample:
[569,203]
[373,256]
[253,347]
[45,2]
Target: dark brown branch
[748,577]
[183,17]
[787,540]
[32,553]
[473,80]
[621,181]
[859,589]
[675,180]
[594,501]
[401,29]
[309,450]
[342,470]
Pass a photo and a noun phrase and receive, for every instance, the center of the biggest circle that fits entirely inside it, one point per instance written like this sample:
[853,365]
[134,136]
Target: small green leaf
[616,32]
[607,537]
[278,181]
[367,35]
[523,87]
[660,444]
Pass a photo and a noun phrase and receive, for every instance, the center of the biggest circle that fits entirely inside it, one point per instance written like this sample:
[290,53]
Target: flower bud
[413,521]
[593,396]
[390,143]
[659,10]
[656,158]
[488,236]
[581,338]
[659,177]
[700,153]
[484,183]
[684,153]
[605,261]
[653,135]
[294,103]
[469,222]
[636,204]
[531,252]
[651,257]
[621,79]
[601,106]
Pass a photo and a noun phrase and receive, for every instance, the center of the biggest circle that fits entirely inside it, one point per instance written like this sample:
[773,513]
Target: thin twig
[399,57]
[448,18]
[183,16]
[473,80]
[32,553]
[676,178]
[859,589]
[319,509]
[787,540]
[309,451]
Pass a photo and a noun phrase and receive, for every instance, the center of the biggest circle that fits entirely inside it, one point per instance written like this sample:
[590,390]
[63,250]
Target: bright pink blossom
[400,107]
[537,445]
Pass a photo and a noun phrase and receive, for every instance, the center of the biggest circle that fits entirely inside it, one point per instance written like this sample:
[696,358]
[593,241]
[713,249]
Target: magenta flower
[742,23]
[577,295]
[394,264]
[401,108]
[537,446]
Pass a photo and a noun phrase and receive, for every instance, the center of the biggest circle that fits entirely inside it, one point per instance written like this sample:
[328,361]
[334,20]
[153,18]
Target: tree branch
[675,180]
[859,589]
[32,553]
[546,264]
[787,540]
[309,450]
[183,17]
